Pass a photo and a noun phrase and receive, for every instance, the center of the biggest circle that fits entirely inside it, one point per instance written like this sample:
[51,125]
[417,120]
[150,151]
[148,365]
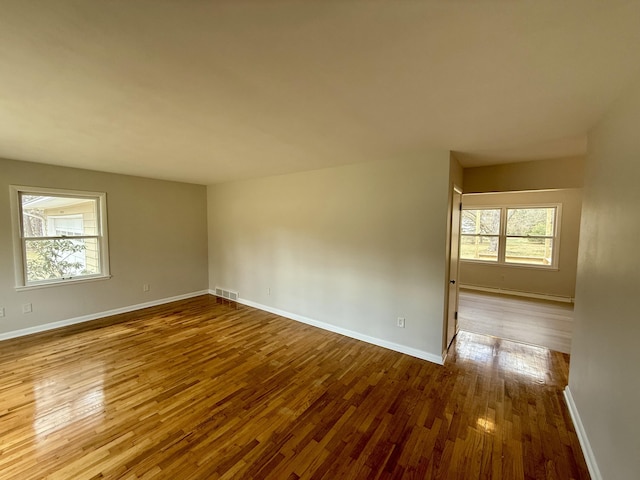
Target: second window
[511,235]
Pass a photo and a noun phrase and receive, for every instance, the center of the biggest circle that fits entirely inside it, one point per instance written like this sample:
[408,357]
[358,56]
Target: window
[480,234]
[60,236]
[510,235]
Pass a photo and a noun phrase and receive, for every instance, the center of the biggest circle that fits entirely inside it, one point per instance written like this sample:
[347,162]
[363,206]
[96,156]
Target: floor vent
[228,294]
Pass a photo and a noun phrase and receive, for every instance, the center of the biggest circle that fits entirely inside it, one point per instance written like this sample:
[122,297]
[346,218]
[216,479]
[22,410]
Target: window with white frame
[511,235]
[60,236]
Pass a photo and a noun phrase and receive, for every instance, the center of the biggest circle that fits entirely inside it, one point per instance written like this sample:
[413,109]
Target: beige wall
[354,247]
[157,235]
[456,173]
[605,356]
[535,175]
[560,282]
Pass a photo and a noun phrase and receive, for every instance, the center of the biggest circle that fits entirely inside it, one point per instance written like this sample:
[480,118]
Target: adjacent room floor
[207,389]
[538,322]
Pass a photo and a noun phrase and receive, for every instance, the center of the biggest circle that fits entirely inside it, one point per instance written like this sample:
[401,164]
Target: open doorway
[518,261]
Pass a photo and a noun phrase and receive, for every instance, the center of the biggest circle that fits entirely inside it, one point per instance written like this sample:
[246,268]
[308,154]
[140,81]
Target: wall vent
[228,294]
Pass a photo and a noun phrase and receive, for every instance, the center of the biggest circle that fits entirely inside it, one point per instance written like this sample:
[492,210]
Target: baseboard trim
[414,352]
[589,457]
[95,316]
[518,293]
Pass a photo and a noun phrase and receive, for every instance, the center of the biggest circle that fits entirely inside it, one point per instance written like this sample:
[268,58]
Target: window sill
[550,268]
[62,283]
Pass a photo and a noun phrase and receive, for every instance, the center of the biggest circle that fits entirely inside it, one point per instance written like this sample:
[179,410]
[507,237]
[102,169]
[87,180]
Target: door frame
[454,240]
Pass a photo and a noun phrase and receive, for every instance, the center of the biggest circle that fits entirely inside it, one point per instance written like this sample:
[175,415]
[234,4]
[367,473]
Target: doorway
[518,258]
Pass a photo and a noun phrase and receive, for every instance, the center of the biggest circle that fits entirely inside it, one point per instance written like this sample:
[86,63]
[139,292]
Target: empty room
[319,239]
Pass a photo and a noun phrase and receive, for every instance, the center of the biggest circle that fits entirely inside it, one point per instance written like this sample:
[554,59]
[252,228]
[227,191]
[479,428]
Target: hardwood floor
[538,322]
[206,389]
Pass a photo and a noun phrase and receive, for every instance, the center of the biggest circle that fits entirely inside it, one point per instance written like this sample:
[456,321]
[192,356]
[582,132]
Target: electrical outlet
[1,311]
[269,291]
[27,308]
[145,287]
[400,322]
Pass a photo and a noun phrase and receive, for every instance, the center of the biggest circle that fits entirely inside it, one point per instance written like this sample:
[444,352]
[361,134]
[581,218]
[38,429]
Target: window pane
[531,221]
[533,251]
[55,259]
[474,247]
[53,216]
[483,222]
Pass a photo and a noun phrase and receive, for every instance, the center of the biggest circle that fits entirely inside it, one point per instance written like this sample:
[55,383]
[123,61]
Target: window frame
[489,235]
[502,237]
[19,243]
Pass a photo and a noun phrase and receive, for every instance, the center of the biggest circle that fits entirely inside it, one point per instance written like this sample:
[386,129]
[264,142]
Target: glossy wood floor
[203,389]
[529,320]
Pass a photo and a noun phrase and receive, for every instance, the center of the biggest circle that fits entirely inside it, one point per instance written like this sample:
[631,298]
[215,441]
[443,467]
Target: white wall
[354,247]
[157,235]
[605,357]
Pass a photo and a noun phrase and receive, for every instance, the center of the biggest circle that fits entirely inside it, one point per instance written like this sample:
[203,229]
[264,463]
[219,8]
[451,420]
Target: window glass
[61,235]
[534,251]
[477,222]
[530,221]
[49,216]
[477,247]
[50,259]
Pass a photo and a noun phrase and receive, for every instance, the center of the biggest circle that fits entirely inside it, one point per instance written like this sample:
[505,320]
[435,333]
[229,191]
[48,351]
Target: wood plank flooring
[538,322]
[207,389]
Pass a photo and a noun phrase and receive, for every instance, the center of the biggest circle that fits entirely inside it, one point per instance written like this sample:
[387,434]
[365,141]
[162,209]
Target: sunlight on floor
[511,357]
[54,410]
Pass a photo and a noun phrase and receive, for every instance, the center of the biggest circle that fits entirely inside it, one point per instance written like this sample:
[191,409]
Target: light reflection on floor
[55,409]
[511,358]
[486,424]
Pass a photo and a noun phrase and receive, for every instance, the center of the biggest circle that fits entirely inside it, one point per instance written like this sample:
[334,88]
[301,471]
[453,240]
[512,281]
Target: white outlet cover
[400,322]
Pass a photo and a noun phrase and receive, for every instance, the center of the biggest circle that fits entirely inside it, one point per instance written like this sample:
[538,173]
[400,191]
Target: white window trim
[502,235]
[19,253]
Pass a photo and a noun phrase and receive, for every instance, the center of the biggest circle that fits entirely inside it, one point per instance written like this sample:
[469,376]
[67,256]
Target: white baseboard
[594,471]
[95,316]
[414,352]
[518,293]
